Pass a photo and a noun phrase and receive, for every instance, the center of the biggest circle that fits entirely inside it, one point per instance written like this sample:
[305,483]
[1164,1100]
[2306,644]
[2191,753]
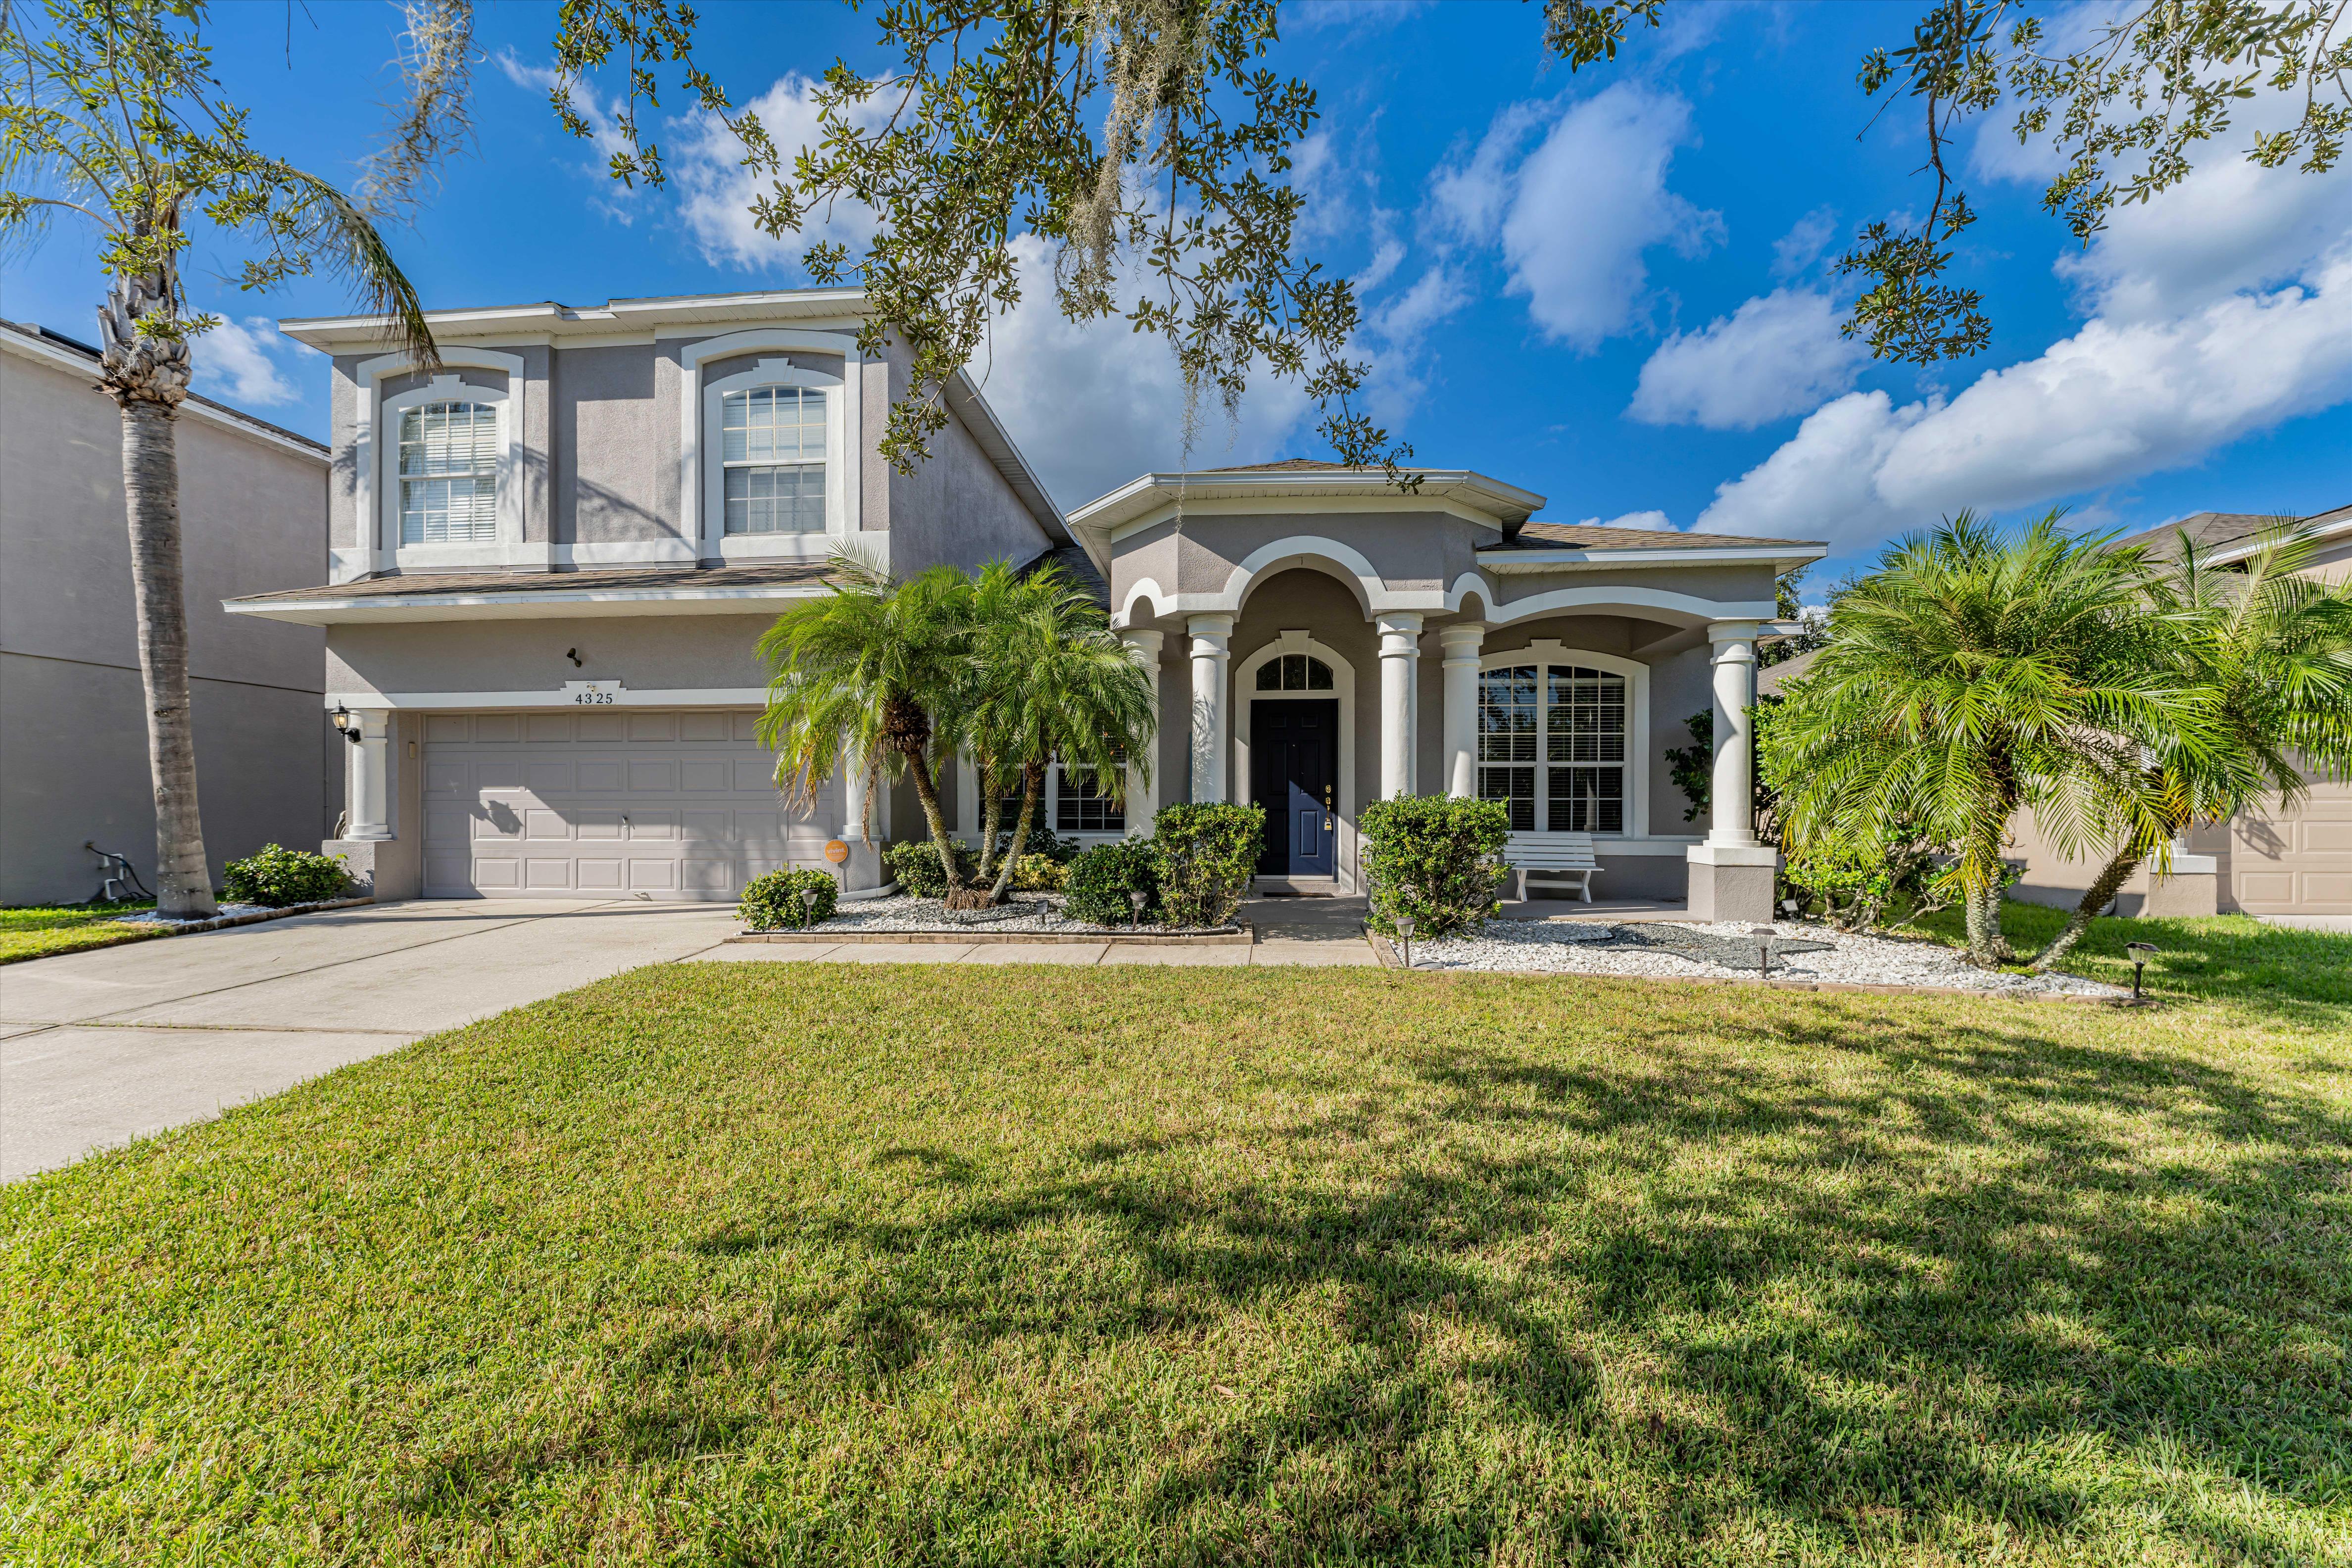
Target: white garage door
[617,803]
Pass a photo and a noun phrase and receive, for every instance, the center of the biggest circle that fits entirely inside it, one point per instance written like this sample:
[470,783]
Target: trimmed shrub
[915,867]
[774,902]
[1039,874]
[1436,858]
[277,877]
[1099,881]
[1205,857]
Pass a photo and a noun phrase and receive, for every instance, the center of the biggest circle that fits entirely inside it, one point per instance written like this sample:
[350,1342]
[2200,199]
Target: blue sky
[1612,289]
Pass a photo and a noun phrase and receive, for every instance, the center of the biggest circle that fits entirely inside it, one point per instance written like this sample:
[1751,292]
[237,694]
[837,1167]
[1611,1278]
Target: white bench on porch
[1552,855]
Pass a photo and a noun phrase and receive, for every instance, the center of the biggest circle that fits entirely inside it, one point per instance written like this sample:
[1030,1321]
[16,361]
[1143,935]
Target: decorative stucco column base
[2193,889]
[377,867]
[1732,882]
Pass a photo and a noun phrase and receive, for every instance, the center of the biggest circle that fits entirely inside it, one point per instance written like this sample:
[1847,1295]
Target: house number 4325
[599,696]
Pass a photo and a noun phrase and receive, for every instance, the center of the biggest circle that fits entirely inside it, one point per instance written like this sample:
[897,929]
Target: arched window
[771,446]
[449,474]
[1551,746]
[1293,672]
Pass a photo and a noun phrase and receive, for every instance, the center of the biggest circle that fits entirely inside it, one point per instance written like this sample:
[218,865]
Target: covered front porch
[1435,643]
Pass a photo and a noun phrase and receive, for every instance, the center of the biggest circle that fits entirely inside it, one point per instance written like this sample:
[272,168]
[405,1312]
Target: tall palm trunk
[2096,896]
[148,377]
[1033,789]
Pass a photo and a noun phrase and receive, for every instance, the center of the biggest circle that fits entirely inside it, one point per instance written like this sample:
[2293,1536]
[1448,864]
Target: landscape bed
[735,1263]
[1028,916]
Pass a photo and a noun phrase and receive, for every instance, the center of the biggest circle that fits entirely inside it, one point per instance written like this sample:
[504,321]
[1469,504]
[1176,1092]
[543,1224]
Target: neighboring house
[73,731]
[2280,864]
[553,557]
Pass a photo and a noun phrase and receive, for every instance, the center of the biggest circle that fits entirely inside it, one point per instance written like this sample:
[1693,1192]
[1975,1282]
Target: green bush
[277,877]
[1436,858]
[1205,856]
[1043,841]
[1099,881]
[774,902]
[915,867]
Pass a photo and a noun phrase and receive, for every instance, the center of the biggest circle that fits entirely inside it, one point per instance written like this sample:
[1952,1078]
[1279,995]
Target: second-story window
[772,449]
[449,474]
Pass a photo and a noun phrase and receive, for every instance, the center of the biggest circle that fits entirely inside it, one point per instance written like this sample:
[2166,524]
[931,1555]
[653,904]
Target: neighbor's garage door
[613,804]
[2295,862]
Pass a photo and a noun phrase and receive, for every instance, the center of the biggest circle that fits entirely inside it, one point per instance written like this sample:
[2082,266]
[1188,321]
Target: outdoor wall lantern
[346,723]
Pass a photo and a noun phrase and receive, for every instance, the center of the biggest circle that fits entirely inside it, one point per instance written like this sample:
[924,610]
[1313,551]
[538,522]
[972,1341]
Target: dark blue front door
[1295,774]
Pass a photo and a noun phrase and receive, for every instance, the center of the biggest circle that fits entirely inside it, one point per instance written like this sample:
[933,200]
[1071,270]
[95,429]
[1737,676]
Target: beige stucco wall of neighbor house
[73,739]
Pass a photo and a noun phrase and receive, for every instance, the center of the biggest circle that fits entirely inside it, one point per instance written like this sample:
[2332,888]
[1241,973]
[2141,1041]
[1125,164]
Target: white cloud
[1575,216]
[2231,225]
[1093,405]
[1634,520]
[2116,400]
[1807,238]
[612,198]
[716,191]
[236,361]
[1778,355]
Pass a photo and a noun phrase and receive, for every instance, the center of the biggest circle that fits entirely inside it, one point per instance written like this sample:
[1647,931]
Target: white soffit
[1488,498]
[329,610]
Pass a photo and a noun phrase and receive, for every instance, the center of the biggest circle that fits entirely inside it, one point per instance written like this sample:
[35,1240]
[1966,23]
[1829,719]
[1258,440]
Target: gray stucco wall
[614,458]
[73,738]
[954,508]
[662,652]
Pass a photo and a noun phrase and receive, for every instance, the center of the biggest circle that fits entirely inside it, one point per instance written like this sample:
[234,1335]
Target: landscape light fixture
[346,723]
[2141,951]
[808,907]
[1763,935]
[1404,929]
[1135,901]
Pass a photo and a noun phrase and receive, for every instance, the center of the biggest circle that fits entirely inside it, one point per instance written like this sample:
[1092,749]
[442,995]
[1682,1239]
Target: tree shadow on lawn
[1965,1274]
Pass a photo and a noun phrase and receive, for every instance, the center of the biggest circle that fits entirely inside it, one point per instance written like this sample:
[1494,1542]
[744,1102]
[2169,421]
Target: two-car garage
[607,802]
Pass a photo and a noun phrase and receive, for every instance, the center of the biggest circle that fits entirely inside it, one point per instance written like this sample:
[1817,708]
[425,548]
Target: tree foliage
[985,129]
[2128,104]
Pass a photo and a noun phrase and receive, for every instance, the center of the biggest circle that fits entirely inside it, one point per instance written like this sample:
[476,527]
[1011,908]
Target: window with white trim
[1072,803]
[772,449]
[1293,672]
[1551,747]
[449,473]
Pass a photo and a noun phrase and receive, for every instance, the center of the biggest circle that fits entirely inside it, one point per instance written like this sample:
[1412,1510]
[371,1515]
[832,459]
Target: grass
[733,1263]
[36,930]
[2236,961]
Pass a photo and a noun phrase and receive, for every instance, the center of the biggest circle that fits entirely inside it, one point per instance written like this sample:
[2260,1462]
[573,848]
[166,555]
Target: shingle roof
[1074,559]
[1587,536]
[2216,530]
[597,579]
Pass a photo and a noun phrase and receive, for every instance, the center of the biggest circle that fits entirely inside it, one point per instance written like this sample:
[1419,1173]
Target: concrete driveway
[97,1049]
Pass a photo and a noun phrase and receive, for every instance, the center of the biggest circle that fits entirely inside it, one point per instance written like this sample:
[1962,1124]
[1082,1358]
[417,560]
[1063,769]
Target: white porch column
[1142,793]
[854,799]
[1211,655]
[1461,643]
[1734,818]
[370,781]
[1400,664]
[1731,873]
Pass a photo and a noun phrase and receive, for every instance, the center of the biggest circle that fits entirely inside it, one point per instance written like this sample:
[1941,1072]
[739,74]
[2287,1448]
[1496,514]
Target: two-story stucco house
[553,556]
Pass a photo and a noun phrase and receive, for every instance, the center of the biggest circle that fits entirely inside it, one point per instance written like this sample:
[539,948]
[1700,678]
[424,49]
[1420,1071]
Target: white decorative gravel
[1565,947]
[1036,913]
[226,912]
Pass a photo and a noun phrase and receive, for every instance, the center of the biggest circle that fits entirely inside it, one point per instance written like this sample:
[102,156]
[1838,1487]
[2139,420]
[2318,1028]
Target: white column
[1734,818]
[1211,655]
[371,776]
[1399,667]
[1143,793]
[1461,643]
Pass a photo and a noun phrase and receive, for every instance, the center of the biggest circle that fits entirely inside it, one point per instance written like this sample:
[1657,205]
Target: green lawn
[36,930]
[831,1263]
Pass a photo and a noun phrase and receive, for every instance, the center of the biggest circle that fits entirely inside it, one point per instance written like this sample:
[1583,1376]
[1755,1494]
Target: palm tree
[113,113]
[1972,676]
[2270,651]
[1049,682]
[860,677]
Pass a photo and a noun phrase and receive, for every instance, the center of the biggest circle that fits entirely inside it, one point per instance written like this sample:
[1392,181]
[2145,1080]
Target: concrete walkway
[100,1047]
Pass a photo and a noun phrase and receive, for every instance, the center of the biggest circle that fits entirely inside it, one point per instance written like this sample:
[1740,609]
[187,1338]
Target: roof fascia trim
[43,351]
